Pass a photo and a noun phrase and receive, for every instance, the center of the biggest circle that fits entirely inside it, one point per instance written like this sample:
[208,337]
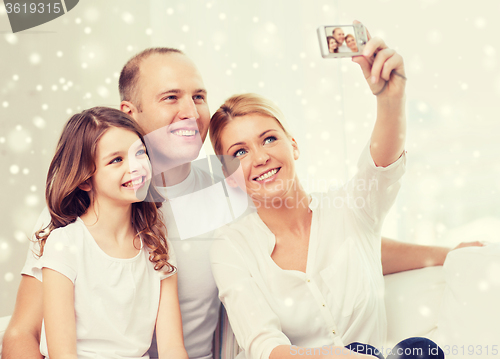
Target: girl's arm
[59,315]
[385,75]
[169,335]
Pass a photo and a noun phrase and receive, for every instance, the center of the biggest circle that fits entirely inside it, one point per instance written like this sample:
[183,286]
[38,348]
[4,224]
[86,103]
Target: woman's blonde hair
[241,105]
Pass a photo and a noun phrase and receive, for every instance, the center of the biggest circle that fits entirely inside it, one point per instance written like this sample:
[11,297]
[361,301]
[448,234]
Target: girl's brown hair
[241,105]
[74,163]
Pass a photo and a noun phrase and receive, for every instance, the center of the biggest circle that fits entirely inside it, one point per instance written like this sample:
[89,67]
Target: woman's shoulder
[243,227]
[247,234]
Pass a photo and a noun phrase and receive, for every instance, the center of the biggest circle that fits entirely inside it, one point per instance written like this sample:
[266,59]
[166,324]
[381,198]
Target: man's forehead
[174,68]
[168,60]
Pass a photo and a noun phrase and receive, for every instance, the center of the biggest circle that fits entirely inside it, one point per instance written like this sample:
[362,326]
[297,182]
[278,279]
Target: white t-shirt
[344,48]
[340,297]
[198,295]
[116,300]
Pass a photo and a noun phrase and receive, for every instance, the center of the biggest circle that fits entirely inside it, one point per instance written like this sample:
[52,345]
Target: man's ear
[86,186]
[128,107]
[296,151]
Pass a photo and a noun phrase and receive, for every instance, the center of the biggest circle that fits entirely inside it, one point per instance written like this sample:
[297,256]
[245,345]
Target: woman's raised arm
[384,71]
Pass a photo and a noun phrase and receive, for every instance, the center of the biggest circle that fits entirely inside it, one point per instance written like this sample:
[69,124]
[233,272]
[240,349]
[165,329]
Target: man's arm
[399,256]
[22,337]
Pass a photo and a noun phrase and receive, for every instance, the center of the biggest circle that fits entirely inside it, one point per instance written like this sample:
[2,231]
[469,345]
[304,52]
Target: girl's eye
[116,160]
[239,153]
[269,139]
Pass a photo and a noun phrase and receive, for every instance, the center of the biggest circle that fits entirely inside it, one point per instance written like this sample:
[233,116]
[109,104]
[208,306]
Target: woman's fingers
[367,32]
[373,46]
[395,62]
[364,64]
[379,62]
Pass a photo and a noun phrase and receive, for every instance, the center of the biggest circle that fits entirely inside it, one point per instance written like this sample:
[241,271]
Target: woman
[332,44]
[350,41]
[305,271]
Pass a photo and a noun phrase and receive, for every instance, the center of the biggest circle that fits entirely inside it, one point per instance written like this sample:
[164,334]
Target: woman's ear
[296,152]
[86,186]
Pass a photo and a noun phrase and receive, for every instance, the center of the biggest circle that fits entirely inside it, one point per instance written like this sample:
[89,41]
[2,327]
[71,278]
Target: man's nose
[188,109]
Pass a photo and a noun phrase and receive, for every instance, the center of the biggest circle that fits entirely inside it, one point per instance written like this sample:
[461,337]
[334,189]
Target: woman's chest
[342,285]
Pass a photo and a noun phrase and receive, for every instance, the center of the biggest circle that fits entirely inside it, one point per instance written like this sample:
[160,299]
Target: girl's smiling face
[123,171]
[332,45]
[267,156]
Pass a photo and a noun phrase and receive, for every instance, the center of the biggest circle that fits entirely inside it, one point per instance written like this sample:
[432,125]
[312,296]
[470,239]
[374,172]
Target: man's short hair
[337,28]
[129,76]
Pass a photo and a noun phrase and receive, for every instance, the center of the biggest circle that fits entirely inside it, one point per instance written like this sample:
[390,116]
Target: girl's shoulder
[72,233]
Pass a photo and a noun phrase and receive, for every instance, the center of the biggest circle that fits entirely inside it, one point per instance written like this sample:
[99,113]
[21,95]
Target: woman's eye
[141,152]
[270,139]
[240,152]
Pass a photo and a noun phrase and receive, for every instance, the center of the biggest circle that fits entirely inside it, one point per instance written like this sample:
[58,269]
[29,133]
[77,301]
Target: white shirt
[116,300]
[198,295]
[340,297]
[344,48]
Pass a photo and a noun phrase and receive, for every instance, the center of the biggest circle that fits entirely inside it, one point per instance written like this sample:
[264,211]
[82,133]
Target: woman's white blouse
[340,297]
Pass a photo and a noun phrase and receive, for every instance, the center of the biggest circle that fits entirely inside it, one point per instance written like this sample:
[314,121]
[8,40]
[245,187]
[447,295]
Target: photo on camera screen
[341,39]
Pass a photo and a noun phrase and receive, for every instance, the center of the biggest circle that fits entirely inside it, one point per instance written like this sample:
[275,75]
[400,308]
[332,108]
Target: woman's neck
[290,213]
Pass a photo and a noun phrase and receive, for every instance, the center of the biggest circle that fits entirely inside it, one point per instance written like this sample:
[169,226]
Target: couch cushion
[468,324]
[412,301]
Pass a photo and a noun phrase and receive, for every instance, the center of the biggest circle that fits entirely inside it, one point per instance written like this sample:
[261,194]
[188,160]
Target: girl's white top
[116,300]
[340,297]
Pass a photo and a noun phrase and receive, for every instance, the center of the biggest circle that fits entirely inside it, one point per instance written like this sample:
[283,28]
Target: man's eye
[240,152]
[269,139]
[171,97]
[199,98]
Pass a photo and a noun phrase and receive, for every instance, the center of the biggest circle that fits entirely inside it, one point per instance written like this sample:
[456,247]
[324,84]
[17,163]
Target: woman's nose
[260,157]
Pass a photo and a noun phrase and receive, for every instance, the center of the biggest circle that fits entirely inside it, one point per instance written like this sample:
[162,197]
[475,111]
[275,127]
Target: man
[164,92]
[339,35]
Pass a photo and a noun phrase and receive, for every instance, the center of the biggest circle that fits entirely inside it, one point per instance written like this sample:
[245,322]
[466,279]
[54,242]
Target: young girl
[108,273]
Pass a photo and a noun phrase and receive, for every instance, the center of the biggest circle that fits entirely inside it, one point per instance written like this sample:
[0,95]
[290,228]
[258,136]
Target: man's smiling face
[172,107]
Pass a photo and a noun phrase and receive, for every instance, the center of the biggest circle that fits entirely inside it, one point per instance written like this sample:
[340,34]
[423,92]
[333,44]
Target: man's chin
[165,163]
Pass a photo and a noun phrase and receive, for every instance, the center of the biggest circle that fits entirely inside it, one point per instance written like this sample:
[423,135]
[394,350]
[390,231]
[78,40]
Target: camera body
[342,40]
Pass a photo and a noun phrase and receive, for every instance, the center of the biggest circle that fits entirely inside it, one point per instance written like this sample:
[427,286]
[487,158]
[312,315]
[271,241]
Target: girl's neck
[111,221]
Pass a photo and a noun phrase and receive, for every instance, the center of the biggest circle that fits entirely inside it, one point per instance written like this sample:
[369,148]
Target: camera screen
[341,39]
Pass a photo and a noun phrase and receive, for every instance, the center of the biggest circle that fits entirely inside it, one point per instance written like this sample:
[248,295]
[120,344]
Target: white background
[451,54]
